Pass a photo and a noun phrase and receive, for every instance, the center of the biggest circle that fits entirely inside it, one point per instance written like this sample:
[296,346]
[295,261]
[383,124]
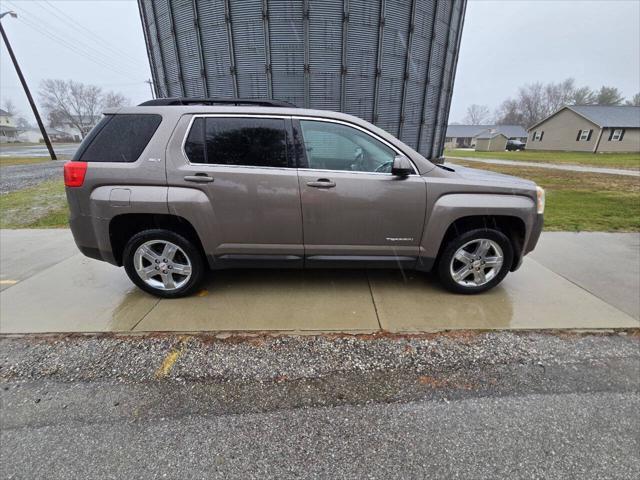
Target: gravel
[17,177]
[269,358]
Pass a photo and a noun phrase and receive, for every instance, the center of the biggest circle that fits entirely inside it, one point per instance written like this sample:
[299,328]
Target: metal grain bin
[391,62]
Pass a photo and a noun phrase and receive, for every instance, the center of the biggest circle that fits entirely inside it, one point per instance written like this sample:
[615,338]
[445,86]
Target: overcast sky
[505,44]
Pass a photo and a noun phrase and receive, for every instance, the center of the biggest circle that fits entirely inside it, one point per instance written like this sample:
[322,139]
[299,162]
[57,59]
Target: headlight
[540,194]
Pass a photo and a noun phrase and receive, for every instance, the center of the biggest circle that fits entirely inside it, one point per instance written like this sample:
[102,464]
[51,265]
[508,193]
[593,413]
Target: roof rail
[158,102]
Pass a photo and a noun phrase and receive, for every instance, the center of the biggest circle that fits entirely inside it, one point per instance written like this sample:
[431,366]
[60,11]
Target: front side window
[118,138]
[258,142]
[333,146]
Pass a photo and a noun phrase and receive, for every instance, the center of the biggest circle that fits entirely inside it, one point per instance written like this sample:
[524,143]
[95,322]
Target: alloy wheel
[162,265]
[476,263]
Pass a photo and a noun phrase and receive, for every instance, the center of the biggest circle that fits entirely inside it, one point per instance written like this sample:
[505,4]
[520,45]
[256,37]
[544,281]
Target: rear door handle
[199,178]
[322,183]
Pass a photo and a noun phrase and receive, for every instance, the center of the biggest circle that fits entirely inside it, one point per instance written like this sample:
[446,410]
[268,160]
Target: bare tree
[477,114]
[509,113]
[76,104]
[532,103]
[23,124]
[635,101]
[558,95]
[10,107]
[583,96]
[609,96]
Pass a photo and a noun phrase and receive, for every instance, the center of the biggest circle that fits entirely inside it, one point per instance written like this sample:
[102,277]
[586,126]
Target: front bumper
[531,242]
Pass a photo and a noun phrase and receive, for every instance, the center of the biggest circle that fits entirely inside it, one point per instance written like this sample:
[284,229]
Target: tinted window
[194,146]
[333,146]
[118,138]
[238,141]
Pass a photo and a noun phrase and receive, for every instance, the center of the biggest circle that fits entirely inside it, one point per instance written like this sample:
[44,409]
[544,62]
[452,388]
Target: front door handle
[199,178]
[322,183]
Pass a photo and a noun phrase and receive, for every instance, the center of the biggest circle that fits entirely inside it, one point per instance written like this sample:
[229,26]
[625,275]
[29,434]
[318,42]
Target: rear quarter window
[118,138]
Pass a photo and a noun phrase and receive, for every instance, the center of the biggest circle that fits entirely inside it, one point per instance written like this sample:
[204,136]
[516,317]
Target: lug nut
[157,268]
[169,267]
[157,261]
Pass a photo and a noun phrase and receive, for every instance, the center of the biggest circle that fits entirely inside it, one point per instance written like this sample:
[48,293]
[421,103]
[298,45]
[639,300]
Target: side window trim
[287,121]
[302,150]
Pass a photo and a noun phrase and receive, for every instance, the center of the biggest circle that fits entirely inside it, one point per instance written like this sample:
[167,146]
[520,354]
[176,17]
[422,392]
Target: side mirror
[402,166]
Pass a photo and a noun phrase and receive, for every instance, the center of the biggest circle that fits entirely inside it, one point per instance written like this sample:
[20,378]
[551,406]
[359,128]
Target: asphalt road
[498,405]
[17,177]
[20,150]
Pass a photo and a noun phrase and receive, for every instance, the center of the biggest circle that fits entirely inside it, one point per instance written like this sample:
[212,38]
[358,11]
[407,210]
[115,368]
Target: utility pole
[150,82]
[26,88]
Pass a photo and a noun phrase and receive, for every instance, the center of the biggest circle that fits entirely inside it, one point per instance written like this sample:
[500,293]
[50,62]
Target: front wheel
[475,261]
[163,263]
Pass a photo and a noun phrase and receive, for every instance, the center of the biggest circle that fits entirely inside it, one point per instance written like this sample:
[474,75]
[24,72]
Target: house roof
[4,113]
[509,131]
[489,135]
[610,116]
[604,115]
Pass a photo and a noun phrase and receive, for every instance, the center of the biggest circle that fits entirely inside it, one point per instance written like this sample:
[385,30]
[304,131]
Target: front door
[244,167]
[353,208]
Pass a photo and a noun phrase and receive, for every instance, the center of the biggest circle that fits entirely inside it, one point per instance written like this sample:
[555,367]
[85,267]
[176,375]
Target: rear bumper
[86,232]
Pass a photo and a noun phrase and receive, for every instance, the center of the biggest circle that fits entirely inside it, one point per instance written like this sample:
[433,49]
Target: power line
[67,18]
[69,44]
[78,44]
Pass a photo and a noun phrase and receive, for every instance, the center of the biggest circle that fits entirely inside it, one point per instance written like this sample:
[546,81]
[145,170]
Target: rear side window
[259,142]
[118,138]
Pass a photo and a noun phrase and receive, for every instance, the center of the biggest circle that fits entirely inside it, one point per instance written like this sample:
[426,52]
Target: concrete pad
[76,295]
[26,252]
[56,293]
[283,300]
[605,264]
[532,298]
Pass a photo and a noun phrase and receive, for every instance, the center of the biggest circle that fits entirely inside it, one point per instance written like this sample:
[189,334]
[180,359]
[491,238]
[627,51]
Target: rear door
[353,208]
[243,165]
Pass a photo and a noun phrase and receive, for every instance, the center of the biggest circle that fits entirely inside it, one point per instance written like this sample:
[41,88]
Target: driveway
[572,281]
[568,168]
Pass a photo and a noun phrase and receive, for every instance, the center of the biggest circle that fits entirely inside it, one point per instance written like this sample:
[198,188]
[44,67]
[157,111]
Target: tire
[178,275]
[470,242]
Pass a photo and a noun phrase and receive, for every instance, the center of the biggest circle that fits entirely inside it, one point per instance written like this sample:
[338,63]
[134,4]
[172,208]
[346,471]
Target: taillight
[74,173]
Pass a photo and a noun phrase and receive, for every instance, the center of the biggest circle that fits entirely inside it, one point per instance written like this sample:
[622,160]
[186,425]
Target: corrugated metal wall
[391,62]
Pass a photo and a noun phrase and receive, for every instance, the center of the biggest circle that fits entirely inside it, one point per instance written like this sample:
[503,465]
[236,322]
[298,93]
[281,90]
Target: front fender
[449,208]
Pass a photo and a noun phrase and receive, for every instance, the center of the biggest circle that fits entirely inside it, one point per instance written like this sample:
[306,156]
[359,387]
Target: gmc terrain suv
[173,187]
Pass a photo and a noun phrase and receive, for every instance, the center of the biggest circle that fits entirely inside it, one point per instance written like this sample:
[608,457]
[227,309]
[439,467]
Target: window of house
[537,135]
[259,142]
[584,135]
[617,134]
[333,146]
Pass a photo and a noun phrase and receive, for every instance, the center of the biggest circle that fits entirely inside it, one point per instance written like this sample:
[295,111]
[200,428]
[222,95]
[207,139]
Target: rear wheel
[475,261]
[163,263]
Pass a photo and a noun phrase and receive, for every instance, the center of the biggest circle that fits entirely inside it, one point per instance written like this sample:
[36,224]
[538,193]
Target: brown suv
[174,186]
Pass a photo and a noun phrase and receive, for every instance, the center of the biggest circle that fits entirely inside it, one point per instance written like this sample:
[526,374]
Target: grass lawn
[42,206]
[6,161]
[582,201]
[620,160]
